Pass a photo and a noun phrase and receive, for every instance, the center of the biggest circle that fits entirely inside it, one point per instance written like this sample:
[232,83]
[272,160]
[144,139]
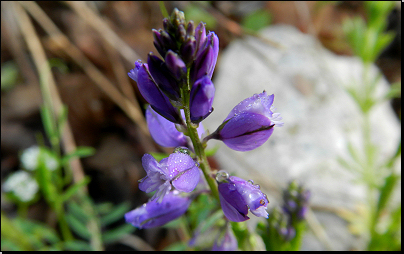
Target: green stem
[198,147]
[64,227]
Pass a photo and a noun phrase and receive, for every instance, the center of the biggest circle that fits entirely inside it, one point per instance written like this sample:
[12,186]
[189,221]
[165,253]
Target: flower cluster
[178,87]
[285,225]
[296,200]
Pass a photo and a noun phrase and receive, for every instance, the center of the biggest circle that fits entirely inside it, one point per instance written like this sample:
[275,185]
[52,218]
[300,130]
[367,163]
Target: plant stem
[198,147]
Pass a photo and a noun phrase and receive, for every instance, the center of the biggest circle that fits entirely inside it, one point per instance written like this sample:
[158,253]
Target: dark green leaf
[256,20]
[72,190]
[9,75]
[116,214]
[178,246]
[78,212]
[79,227]
[117,233]
[48,122]
[81,151]
[77,245]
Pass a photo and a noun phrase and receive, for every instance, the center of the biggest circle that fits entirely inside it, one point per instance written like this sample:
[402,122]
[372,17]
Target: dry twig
[132,111]
[48,85]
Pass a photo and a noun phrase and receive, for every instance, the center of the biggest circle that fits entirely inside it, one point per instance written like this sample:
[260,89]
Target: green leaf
[256,20]
[78,212]
[44,179]
[9,75]
[62,118]
[103,208]
[48,122]
[198,14]
[59,64]
[394,92]
[386,191]
[159,156]
[116,214]
[117,233]
[81,151]
[79,227]
[212,151]
[178,246]
[77,245]
[72,190]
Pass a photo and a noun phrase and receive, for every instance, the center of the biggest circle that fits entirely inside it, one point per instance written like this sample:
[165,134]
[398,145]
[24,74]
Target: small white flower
[22,185]
[30,158]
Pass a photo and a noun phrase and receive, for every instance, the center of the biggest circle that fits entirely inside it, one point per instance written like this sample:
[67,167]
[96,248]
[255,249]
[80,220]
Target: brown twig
[12,38]
[48,85]
[89,68]
[235,28]
[105,31]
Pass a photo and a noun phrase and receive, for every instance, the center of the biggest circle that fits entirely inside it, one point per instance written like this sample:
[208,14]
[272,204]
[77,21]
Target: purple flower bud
[201,100]
[213,40]
[249,124]
[202,65]
[206,57]
[164,131]
[179,170]
[237,196]
[149,90]
[166,23]
[181,33]
[200,36]
[188,50]
[153,214]
[163,78]
[226,243]
[190,29]
[177,17]
[168,41]
[175,64]
[296,200]
[158,42]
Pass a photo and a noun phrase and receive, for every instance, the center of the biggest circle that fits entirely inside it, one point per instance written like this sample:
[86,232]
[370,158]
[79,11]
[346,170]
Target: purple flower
[175,64]
[149,90]
[163,77]
[164,132]
[249,124]
[201,100]
[296,201]
[154,214]
[226,243]
[207,51]
[179,170]
[238,196]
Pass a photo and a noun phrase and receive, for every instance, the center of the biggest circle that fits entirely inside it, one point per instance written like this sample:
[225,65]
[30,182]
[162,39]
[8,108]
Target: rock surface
[319,115]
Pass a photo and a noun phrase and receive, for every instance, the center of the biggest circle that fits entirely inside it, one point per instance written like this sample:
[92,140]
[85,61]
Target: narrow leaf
[116,214]
[117,233]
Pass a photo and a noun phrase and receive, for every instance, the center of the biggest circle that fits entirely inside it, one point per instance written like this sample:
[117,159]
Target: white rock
[319,115]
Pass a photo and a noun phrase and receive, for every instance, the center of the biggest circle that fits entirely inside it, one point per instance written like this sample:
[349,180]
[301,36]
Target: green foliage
[9,75]
[197,14]
[368,39]
[22,234]
[256,20]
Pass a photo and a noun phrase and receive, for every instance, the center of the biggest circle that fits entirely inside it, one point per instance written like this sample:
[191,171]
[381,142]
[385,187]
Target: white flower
[22,185]
[30,158]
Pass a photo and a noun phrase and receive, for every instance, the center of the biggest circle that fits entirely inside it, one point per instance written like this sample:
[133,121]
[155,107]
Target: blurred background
[90,47]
